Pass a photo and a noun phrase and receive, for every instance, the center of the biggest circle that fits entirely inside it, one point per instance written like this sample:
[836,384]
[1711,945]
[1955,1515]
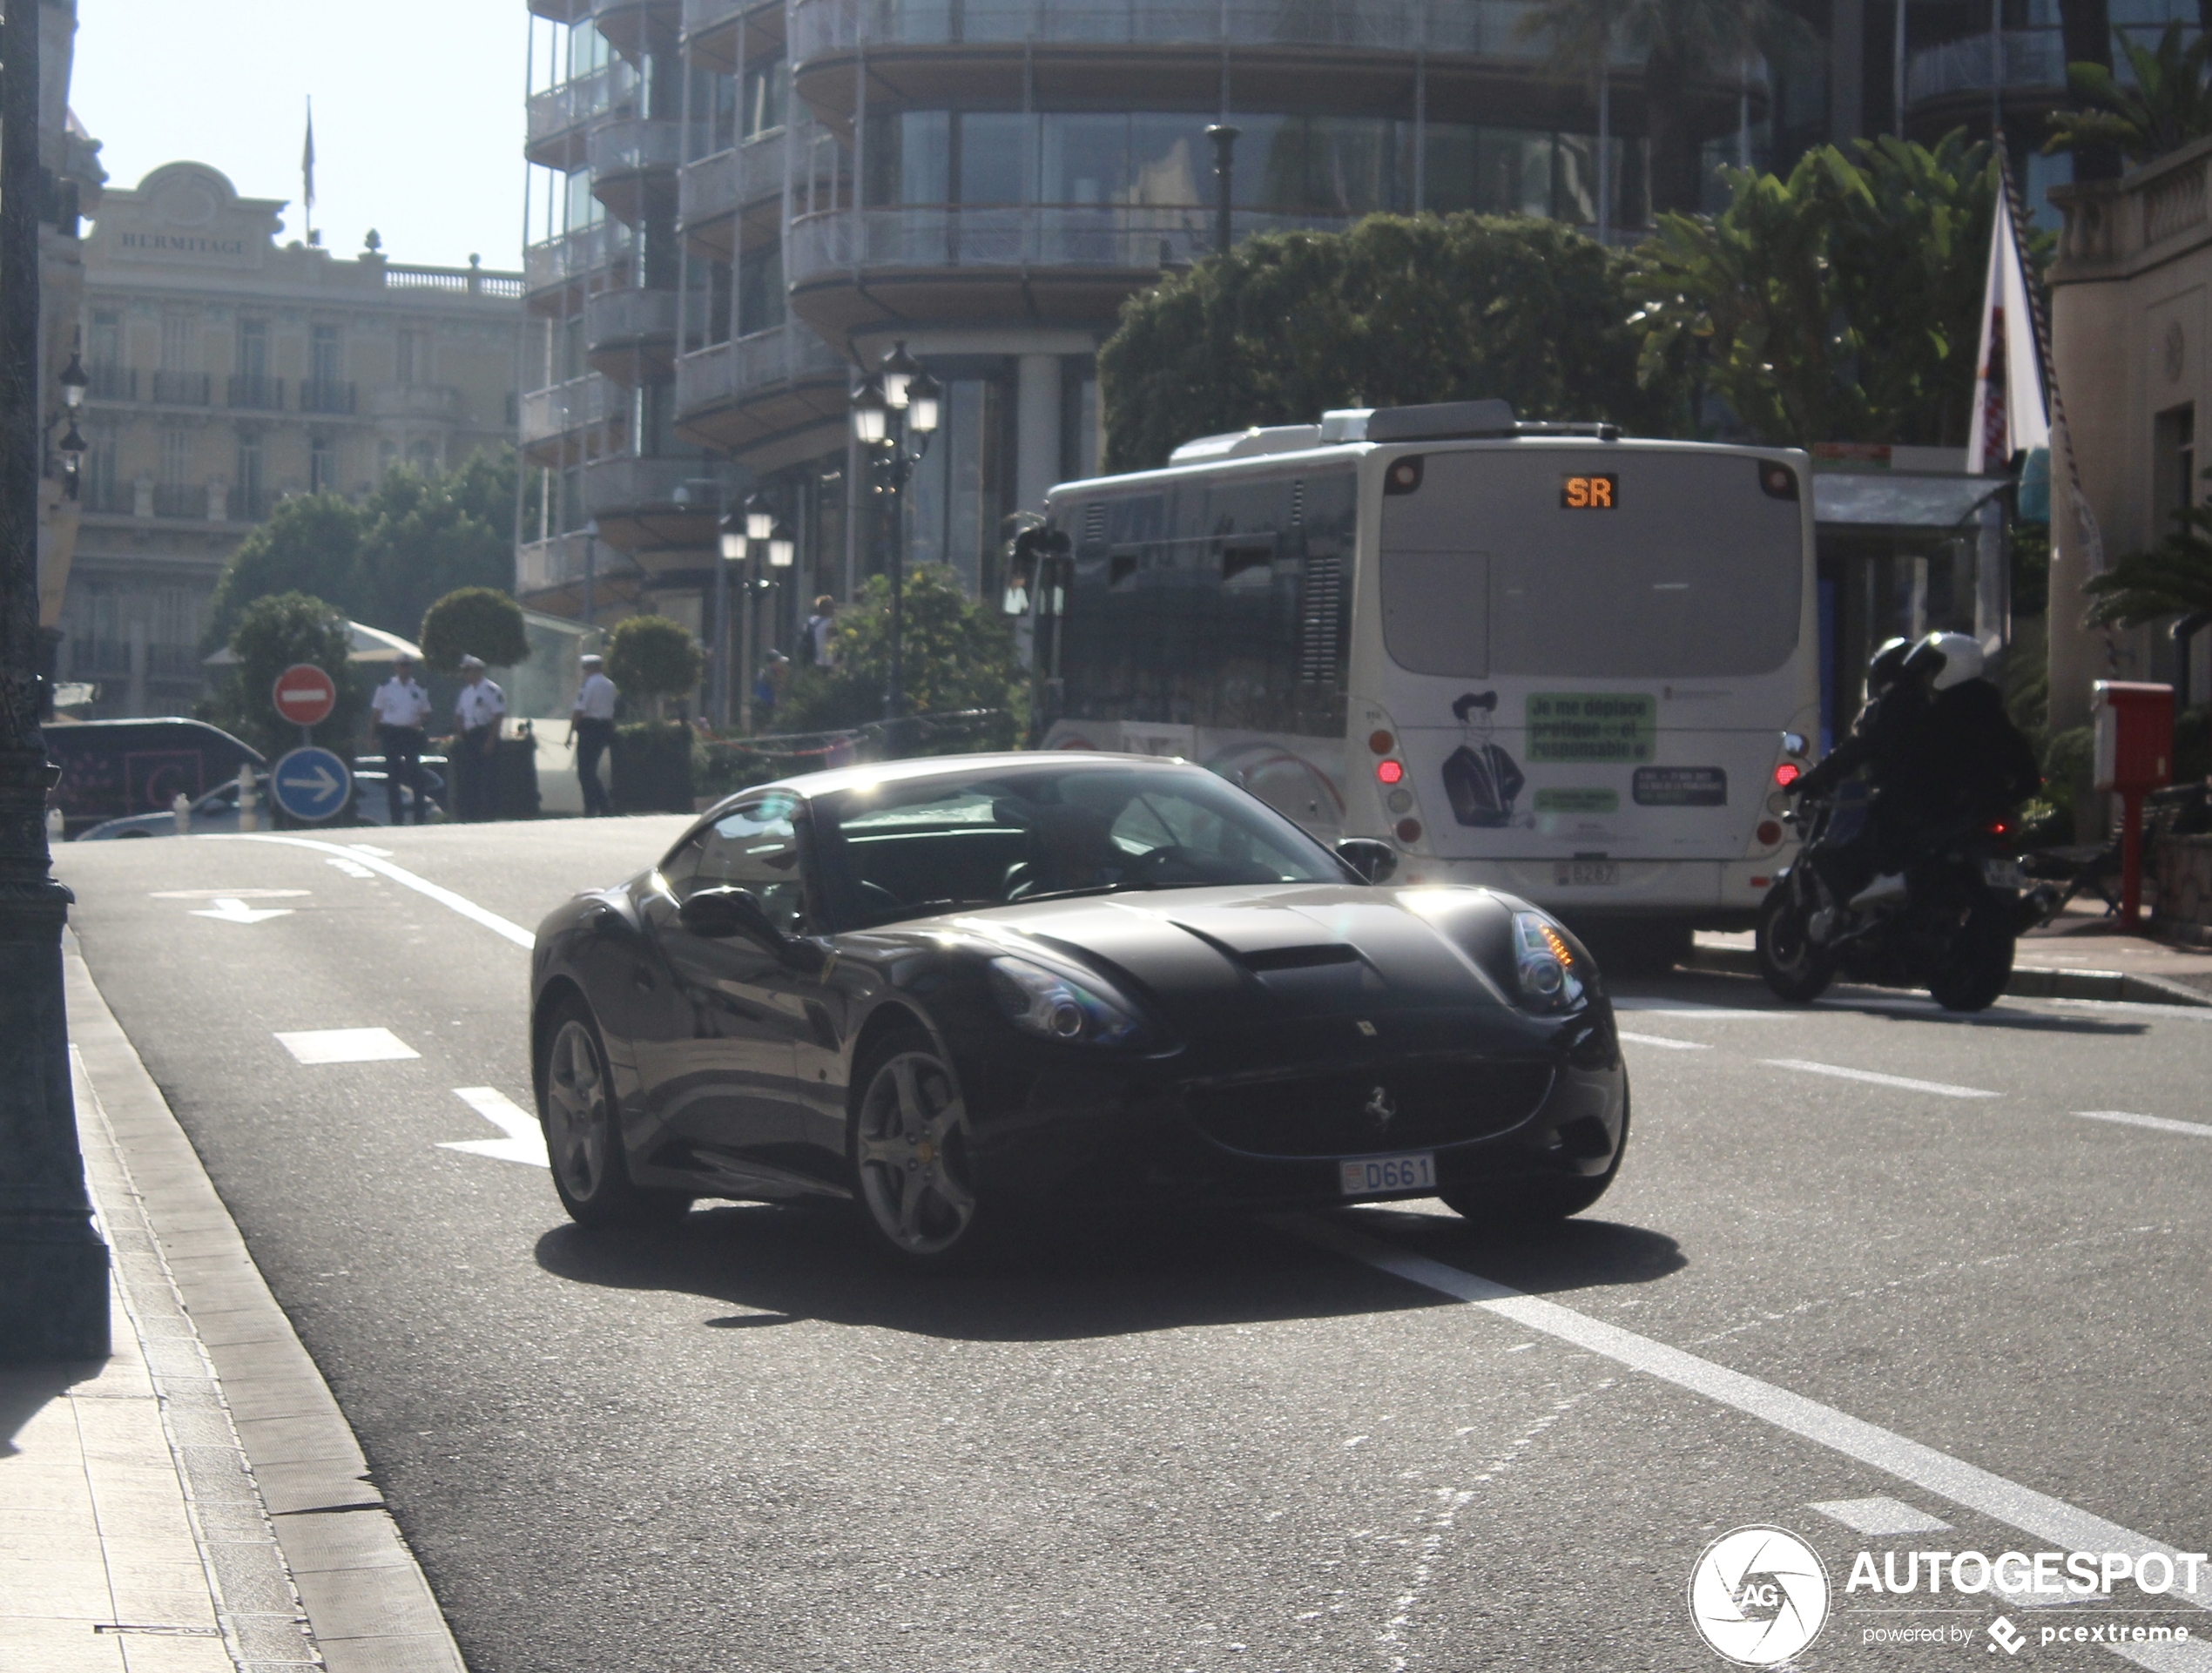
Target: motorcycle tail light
[1788,773]
[1999,828]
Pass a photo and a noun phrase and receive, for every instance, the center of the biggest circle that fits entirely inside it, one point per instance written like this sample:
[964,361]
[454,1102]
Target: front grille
[1444,1101]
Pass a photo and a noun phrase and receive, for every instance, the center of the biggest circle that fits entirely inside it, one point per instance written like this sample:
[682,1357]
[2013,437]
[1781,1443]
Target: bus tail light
[1768,833]
[1381,742]
[1389,772]
[1788,773]
[1409,831]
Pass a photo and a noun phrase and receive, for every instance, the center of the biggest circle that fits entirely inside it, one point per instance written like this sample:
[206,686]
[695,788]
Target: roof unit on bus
[1445,421]
[1243,445]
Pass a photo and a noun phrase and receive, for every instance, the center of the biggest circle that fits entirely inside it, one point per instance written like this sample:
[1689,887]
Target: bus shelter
[1904,555]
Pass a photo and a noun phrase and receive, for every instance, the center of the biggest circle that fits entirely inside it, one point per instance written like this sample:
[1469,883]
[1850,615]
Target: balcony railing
[634,147]
[326,395]
[564,259]
[437,403]
[575,405]
[248,504]
[611,485]
[112,382]
[617,318]
[766,359]
[727,181]
[249,393]
[700,16]
[1139,237]
[565,108]
[1487,28]
[541,564]
[2029,61]
[181,388]
[180,499]
[471,281]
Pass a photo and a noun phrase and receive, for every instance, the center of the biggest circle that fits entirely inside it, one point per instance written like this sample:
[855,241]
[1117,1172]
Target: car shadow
[25,1391]
[1081,1279]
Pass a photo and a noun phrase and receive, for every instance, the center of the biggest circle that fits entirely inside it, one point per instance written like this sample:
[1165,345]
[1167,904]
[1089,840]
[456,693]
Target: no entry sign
[305,695]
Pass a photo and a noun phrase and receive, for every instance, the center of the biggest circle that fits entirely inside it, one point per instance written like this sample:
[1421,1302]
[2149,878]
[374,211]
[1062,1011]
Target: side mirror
[1370,861]
[720,914]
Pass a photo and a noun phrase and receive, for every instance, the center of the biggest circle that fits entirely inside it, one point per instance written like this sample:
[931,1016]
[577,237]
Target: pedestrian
[479,709]
[592,728]
[819,646]
[400,707]
[768,686]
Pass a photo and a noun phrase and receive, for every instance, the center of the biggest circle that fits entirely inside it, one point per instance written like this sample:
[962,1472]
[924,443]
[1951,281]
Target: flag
[307,160]
[2011,412]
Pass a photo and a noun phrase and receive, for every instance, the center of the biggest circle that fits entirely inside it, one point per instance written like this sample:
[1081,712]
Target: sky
[418,111]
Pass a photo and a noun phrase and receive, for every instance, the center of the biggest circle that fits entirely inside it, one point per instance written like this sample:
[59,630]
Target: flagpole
[307,172]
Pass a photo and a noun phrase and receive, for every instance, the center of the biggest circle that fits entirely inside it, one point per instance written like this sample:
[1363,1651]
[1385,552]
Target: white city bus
[1543,657]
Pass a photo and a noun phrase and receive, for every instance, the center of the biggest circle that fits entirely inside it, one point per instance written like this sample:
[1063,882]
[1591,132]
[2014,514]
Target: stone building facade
[229,371]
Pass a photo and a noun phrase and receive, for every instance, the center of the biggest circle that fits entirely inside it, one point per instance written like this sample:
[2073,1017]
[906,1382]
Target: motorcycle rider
[1935,744]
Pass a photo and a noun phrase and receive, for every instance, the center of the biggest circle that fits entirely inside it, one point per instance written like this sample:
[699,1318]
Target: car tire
[1532,1205]
[575,1103]
[909,1133]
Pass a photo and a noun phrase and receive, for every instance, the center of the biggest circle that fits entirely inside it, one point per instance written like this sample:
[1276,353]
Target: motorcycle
[1948,922]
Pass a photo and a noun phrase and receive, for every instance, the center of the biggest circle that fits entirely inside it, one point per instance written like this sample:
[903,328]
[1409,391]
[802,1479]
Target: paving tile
[151,1652]
[50,1646]
[51,1586]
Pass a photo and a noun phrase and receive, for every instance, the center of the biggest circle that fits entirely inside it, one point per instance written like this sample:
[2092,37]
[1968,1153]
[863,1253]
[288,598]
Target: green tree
[2173,578]
[650,659]
[1393,312]
[273,634]
[2169,104]
[310,544]
[474,622]
[387,558]
[1840,304]
[954,654]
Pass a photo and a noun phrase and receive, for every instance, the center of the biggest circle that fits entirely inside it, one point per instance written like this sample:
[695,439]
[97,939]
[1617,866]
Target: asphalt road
[1214,1443]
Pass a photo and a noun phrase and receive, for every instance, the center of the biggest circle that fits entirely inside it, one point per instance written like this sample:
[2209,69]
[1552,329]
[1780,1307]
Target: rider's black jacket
[1954,752]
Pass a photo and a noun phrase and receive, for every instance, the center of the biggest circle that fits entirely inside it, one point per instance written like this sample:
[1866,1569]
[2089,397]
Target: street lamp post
[730,531]
[1225,170]
[741,542]
[53,1267]
[894,413]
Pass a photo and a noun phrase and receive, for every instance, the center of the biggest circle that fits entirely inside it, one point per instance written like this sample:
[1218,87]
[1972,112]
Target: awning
[1875,499]
[364,644]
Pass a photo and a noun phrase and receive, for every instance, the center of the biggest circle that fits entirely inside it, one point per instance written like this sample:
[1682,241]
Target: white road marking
[229,909]
[366,848]
[525,1140]
[444,897]
[1880,1517]
[347,1046]
[234,895]
[2064,1527]
[1941,1088]
[2157,1123]
[2142,1008]
[1662,1040]
[351,867]
[1691,1008]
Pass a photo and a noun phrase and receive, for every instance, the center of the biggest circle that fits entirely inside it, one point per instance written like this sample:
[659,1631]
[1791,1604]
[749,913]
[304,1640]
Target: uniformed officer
[592,728]
[478,709]
[400,706]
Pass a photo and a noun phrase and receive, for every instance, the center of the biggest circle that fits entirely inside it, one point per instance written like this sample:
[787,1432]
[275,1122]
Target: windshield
[1001,835]
[1682,567]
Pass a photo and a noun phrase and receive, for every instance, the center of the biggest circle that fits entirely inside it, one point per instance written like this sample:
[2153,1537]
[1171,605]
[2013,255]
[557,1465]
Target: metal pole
[721,619]
[1605,138]
[1897,74]
[895,696]
[744,646]
[1997,73]
[53,1267]
[1224,169]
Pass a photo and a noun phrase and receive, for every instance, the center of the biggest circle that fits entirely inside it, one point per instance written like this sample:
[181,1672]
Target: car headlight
[1549,971]
[1054,1007]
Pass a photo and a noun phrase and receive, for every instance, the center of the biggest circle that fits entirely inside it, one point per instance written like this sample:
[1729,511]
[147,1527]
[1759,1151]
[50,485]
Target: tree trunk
[2085,27]
[1677,183]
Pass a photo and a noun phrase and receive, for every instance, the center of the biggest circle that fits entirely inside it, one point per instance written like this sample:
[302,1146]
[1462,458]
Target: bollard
[248,818]
[181,807]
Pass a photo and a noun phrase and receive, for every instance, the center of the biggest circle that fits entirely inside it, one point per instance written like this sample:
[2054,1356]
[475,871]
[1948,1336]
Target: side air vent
[1321,622]
[1300,958]
[1094,522]
[1297,503]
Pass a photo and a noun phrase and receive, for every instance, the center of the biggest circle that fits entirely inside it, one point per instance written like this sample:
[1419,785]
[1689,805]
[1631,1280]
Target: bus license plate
[1588,871]
[1374,1173]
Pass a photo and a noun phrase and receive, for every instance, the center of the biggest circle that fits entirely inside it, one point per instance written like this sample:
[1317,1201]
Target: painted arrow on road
[525,1140]
[230,910]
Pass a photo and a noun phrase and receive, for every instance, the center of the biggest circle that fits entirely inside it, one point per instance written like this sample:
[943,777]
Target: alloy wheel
[576,1111]
[912,1156]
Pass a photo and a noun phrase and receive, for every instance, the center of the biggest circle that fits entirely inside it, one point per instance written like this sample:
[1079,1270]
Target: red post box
[2135,755]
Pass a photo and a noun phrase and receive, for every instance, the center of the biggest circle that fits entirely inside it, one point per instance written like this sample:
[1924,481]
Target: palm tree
[1682,42]
[2169,104]
[2172,578]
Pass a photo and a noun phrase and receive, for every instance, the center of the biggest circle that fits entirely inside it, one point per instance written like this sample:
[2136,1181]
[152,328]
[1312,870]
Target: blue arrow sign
[310,784]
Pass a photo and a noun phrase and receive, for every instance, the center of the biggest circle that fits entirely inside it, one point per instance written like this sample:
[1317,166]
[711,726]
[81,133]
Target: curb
[368,1608]
[2028,982]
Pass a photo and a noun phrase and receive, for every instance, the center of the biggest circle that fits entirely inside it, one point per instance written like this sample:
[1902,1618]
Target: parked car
[217,811]
[112,769]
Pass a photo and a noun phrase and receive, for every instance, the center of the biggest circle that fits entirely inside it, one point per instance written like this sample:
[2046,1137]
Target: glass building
[735,203]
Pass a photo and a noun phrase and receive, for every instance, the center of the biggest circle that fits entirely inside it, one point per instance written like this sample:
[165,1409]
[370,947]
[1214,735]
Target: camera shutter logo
[1758,1595]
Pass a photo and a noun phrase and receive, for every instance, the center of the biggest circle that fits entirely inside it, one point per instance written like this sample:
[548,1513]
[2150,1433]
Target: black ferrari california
[955,990]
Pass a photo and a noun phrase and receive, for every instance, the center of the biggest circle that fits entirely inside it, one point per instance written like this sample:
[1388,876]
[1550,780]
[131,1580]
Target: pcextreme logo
[1758,1595]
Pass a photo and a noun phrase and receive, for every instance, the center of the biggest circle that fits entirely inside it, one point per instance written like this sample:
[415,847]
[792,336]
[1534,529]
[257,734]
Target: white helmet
[1962,658]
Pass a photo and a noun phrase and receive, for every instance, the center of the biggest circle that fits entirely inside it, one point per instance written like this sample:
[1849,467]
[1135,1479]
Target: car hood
[1226,956]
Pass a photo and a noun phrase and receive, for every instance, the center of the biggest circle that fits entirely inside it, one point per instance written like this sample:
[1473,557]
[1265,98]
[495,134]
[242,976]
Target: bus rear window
[1695,574]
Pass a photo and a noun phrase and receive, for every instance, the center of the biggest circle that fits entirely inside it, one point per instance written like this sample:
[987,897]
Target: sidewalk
[196,1503]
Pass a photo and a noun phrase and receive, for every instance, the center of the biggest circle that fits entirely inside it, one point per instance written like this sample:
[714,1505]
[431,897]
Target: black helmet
[1888,662]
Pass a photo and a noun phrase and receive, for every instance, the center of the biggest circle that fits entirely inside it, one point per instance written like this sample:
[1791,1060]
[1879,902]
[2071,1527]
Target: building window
[176,342]
[99,489]
[325,355]
[767,97]
[414,357]
[761,290]
[253,350]
[106,347]
[2173,465]
[322,465]
[176,457]
[247,499]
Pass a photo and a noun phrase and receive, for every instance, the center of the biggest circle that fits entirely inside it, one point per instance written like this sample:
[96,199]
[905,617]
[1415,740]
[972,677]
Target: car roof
[929,766]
